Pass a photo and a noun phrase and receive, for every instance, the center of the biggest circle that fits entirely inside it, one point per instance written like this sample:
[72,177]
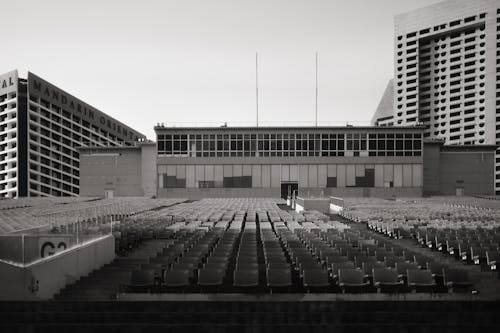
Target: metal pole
[257,86]
[316,100]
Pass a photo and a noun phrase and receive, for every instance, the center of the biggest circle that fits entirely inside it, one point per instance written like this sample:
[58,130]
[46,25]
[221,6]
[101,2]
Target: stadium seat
[421,261]
[478,255]
[386,280]
[246,278]
[352,280]
[457,280]
[141,280]
[368,267]
[315,279]
[278,278]
[402,267]
[420,280]
[157,268]
[492,259]
[176,278]
[359,260]
[336,259]
[390,261]
[210,278]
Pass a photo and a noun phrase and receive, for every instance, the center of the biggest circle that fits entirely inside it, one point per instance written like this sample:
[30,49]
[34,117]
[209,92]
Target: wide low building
[272,162]
[41,127]
[275,161]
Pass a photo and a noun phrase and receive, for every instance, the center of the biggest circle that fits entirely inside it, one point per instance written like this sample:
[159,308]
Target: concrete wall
[148,170]
[474,171]
[42,280]
[431,168]
[118,169]
[447,168]
[321,205]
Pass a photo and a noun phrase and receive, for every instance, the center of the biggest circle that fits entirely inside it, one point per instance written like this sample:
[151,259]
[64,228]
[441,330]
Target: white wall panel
[247,170]
[162,169]
[407,178]
[313,175]
[379,175]
[322,172]
[294,173]
[237,170]
[303,175]
[275,175]
[360,170]
[200,173]
[417,175]
[256,176]
[266,175]
[285,173]
[350,175]
[341,171]
[398,175]
[181,171]
[228,170]
[190,176]
[209,173]
[388,172]
[219,173]
[332,170]
[171,170]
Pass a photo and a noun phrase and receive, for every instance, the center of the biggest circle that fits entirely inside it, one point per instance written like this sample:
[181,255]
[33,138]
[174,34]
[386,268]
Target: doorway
[288,188]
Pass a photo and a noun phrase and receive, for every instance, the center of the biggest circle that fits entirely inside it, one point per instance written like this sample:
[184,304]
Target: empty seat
[359,260]
[390,261]
[141,280]
[210,277]
[176,278]
[478,254]
[402,267]
[421,260]
[246,278]
[277,277]
[492,259]
[189,266]
[368,267]
[421,280]
[315,278]
[457,280]
[386,279]
[351,280]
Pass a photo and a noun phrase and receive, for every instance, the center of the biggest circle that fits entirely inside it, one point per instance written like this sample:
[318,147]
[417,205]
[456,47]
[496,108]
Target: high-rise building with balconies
[41,127]
[447,73]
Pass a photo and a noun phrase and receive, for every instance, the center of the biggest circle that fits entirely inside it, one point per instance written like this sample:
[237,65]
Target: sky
[192,62]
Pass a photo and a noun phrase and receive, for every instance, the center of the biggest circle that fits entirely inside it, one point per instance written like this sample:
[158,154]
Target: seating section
[253,246]
[465,229]
[42,214]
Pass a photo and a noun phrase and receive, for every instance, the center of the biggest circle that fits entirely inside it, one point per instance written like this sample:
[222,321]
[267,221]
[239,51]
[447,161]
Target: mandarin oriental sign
[54,95]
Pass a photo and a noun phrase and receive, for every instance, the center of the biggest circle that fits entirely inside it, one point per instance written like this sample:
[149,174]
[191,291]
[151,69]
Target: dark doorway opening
[287,189]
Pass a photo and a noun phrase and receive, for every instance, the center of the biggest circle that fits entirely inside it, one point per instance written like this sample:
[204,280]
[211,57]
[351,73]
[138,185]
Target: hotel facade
[41,127]
[447,74]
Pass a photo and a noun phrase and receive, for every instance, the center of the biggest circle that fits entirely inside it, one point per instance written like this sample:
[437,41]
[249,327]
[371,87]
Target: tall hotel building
[447,74]
[41,127]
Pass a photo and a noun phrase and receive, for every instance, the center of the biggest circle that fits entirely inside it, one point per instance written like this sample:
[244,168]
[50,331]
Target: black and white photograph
[250,166]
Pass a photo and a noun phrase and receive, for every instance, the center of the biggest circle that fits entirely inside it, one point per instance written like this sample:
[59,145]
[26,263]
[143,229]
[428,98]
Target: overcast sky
[146,62]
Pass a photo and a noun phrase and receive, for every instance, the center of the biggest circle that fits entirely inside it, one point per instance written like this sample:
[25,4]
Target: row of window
[224,145]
